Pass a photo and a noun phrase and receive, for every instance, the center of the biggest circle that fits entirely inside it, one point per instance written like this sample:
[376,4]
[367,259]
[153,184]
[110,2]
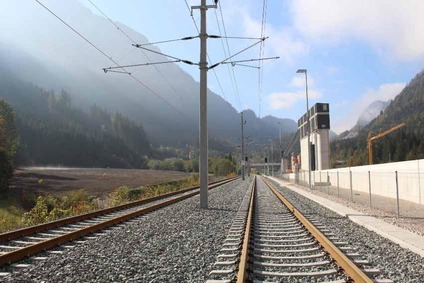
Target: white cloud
[332,70]
[282,42]
[394,27]
[299,81]
[384,93]
[280,100]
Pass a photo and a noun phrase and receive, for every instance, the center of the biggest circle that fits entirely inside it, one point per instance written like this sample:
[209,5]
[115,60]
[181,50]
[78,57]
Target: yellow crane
[379,136]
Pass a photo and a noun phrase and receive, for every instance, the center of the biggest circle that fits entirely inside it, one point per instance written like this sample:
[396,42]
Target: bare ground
[95,181]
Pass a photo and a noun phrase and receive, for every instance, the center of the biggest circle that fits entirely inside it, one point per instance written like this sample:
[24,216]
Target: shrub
[136,193]
[10,215]
[118,196]
[38,214]
[50,207]
[231,175]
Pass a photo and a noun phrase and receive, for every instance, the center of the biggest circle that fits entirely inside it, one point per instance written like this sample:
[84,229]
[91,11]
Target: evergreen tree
[8,144]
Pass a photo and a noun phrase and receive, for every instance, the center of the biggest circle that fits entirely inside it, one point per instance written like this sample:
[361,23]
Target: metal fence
[399,193]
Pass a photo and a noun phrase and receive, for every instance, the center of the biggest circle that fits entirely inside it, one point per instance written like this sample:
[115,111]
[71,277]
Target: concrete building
[319,118]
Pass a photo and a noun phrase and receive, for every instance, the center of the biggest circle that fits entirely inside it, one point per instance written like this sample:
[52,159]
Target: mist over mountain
[406,143]
[372,111]
[369,114]
[165,99]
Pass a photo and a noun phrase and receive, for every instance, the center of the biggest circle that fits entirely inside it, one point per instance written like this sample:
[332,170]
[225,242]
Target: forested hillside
[54,132]
[406,143]
[168,108]
[8,143]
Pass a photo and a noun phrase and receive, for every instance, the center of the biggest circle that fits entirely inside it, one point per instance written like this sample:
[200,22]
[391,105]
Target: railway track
[279,244]
[23,243]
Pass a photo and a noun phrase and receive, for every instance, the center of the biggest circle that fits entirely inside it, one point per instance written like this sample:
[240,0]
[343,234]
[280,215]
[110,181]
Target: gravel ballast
[178,243]
[395,262]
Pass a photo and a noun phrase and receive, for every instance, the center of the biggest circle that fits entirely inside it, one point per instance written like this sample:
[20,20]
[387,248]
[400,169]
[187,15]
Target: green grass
[10,214]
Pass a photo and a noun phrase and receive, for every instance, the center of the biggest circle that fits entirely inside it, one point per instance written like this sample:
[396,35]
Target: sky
[355,52]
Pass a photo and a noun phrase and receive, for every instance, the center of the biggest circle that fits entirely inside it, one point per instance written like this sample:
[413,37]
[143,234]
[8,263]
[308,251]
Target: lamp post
[308,128]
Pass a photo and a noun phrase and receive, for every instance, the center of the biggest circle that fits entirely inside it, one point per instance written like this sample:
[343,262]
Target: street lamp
[308,128]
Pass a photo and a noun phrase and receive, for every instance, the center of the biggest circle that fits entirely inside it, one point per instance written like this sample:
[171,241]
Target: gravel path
[178,243]
[411,214]
[396,263]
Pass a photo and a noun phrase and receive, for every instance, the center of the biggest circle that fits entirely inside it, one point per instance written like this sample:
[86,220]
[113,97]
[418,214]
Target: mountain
[372,111]
[52,131]
[407,143]
[164,98]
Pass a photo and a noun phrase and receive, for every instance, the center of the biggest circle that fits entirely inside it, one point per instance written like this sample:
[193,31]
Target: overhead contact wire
[134,42]
[234,80]
[107,56]
[261,53]
[209,59]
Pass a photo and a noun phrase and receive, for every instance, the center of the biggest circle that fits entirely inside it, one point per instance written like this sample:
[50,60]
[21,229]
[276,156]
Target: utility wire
[241,51]
[249,60]
[290,145]
[166,55]
[169,40]
[108,57]
[234,37]
[191,14]
[261,53]
[234,80]
[209,59]
[74,30]
[138,65]
[225,54]
[134,42]
[243,65]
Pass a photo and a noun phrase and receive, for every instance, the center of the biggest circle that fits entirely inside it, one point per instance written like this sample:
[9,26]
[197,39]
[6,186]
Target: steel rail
[33,249]
[353,271]
[242,271]
[16,234]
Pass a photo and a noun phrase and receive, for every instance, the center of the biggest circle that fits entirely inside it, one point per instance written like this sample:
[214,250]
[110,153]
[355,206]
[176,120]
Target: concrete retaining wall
[381,177]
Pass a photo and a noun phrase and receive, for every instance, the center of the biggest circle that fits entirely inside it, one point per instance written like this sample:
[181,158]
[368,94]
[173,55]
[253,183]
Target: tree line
[8,144]
[54,132]
[218,166]
[39,127]
[406,143]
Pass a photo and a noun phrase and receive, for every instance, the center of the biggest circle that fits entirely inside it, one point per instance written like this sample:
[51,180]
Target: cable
[166,55]
[234,37]
[261,53]
[219,83]
[209,59]
[225,52]
[229,53]
[291,143]
[194,21]
[241,51]
[108,57]
[232,73]
[167,41]
[138,65]
[134,42]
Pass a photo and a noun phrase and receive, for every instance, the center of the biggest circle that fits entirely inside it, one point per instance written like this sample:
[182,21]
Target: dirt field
[93,181]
